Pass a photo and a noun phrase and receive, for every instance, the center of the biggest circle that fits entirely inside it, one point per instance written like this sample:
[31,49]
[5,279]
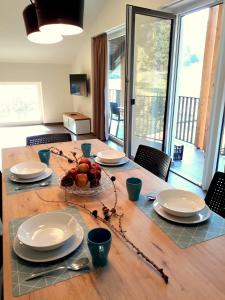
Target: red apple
[85,160]
[96,166]
[73,172]
[83,168]
[81,180]
[67,180]
[94,174]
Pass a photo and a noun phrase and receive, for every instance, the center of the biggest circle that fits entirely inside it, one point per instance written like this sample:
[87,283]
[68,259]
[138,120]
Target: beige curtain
[99,67]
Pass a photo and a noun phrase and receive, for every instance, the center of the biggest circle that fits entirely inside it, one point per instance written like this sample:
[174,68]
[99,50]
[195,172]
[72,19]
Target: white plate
[180,203]
[47,173]
[110,156]
[199,217]
[47,231]
[119,163]
[28,169]
[32,255]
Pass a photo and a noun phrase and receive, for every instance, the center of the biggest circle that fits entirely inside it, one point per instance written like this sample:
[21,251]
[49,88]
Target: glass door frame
[216,122]
[129,71]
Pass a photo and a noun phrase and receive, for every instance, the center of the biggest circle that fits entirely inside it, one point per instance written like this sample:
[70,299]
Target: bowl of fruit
[85,179]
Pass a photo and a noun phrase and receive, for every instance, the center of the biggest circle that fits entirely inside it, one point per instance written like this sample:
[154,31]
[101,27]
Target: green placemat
[130,165]
[184,235]
[11,187]
[22,269]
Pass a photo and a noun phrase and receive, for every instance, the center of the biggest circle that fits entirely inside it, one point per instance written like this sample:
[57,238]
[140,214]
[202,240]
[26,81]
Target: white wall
[112,15]
[54,81]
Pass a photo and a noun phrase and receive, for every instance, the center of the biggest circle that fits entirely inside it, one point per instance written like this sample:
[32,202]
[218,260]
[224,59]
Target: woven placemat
[184,235]
[22,269]
[130,165]
[11,187]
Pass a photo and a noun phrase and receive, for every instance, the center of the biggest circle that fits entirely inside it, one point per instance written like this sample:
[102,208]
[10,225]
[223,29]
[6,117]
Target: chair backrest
[114,108]
[215,197]
[154,161]
[48,138]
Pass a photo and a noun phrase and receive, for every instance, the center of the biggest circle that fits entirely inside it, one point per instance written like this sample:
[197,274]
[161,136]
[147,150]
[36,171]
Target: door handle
[132,101]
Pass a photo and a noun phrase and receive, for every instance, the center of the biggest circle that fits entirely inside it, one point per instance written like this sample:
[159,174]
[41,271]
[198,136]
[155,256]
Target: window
[20,103]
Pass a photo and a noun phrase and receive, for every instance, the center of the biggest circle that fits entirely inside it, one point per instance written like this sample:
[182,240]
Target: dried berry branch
[108,214]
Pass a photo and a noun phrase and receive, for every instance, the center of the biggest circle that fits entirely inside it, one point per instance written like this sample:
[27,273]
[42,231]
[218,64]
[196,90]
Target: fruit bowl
[105,184]
[85,179]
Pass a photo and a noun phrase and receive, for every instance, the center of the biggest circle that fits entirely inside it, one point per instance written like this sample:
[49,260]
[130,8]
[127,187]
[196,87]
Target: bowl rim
[108,158]
[26,175]
[33,245]
[195,197]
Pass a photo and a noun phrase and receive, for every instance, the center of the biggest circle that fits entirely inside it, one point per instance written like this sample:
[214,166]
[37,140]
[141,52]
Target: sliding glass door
[149,42]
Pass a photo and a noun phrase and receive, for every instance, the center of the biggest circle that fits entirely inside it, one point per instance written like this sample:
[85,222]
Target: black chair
[154,161]
[115,114]
[48,138]
[215,197]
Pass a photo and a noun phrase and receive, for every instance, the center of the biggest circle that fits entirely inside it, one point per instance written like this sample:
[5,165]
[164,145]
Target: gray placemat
[130,165]
[11,187]
[22,269]
[184,235]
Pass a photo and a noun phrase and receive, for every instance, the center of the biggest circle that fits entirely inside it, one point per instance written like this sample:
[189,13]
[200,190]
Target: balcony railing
[149,116]
[187,119]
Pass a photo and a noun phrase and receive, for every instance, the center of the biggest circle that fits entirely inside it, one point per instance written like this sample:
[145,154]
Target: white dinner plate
[47,173]
[32,255]
[47,231]
[110,156]
[199,217]
[28,169]
[180,203]
[119,163]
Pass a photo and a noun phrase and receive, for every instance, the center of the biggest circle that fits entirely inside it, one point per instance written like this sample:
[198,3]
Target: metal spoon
[75,266]
[46,183]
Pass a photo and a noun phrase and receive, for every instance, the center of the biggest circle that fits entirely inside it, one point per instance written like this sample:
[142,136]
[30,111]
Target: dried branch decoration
[108,214]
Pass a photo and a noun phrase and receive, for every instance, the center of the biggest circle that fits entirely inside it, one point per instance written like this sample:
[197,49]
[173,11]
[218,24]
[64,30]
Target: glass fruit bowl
[104,184]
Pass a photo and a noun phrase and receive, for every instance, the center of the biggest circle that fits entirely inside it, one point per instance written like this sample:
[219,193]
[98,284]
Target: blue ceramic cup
[133,188]
[99,242]
[44,155]
[86,149]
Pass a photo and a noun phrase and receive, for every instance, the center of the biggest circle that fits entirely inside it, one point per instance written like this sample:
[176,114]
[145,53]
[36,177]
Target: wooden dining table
[197,272]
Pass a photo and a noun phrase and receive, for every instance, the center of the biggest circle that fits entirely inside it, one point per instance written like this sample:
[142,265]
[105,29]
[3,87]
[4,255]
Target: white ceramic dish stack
[181,206]
[111,157]
[28,169]
[47,237]
[47,231]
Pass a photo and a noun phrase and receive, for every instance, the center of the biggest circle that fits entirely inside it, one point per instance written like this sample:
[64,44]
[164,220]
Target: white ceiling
[14,46]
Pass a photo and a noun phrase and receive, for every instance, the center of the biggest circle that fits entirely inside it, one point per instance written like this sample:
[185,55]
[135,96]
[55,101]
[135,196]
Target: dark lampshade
[32,28]
[62,16]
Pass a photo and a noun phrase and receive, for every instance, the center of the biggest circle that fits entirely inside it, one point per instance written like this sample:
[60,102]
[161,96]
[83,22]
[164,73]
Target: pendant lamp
[32,28]
[64,17]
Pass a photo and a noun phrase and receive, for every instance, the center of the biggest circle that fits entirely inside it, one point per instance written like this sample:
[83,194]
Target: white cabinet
[77,123]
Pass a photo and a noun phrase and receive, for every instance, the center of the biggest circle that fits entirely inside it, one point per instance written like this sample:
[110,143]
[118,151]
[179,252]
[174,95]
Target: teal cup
[86,149]
[99,242]
[44,155]
[133,188]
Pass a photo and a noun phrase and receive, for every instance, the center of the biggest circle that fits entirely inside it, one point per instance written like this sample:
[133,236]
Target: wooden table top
[195,273]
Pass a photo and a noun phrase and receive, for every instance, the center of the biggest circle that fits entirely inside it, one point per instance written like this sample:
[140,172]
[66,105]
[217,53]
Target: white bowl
[110,156]
[47,231]
[180,203]
[28,169]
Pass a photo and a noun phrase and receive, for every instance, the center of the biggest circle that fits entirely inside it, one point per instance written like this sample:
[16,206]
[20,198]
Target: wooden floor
[16,137]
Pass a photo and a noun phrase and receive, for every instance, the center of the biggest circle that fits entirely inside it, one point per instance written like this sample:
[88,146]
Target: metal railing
[149,116]
[187,115]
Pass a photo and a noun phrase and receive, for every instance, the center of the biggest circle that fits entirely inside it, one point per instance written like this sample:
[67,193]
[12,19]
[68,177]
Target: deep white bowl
[110,156]
[28,169]
[47,231]
[180,203]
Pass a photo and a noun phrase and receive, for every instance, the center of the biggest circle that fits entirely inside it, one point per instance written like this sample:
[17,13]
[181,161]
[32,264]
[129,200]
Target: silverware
[75,266]
[43,184]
